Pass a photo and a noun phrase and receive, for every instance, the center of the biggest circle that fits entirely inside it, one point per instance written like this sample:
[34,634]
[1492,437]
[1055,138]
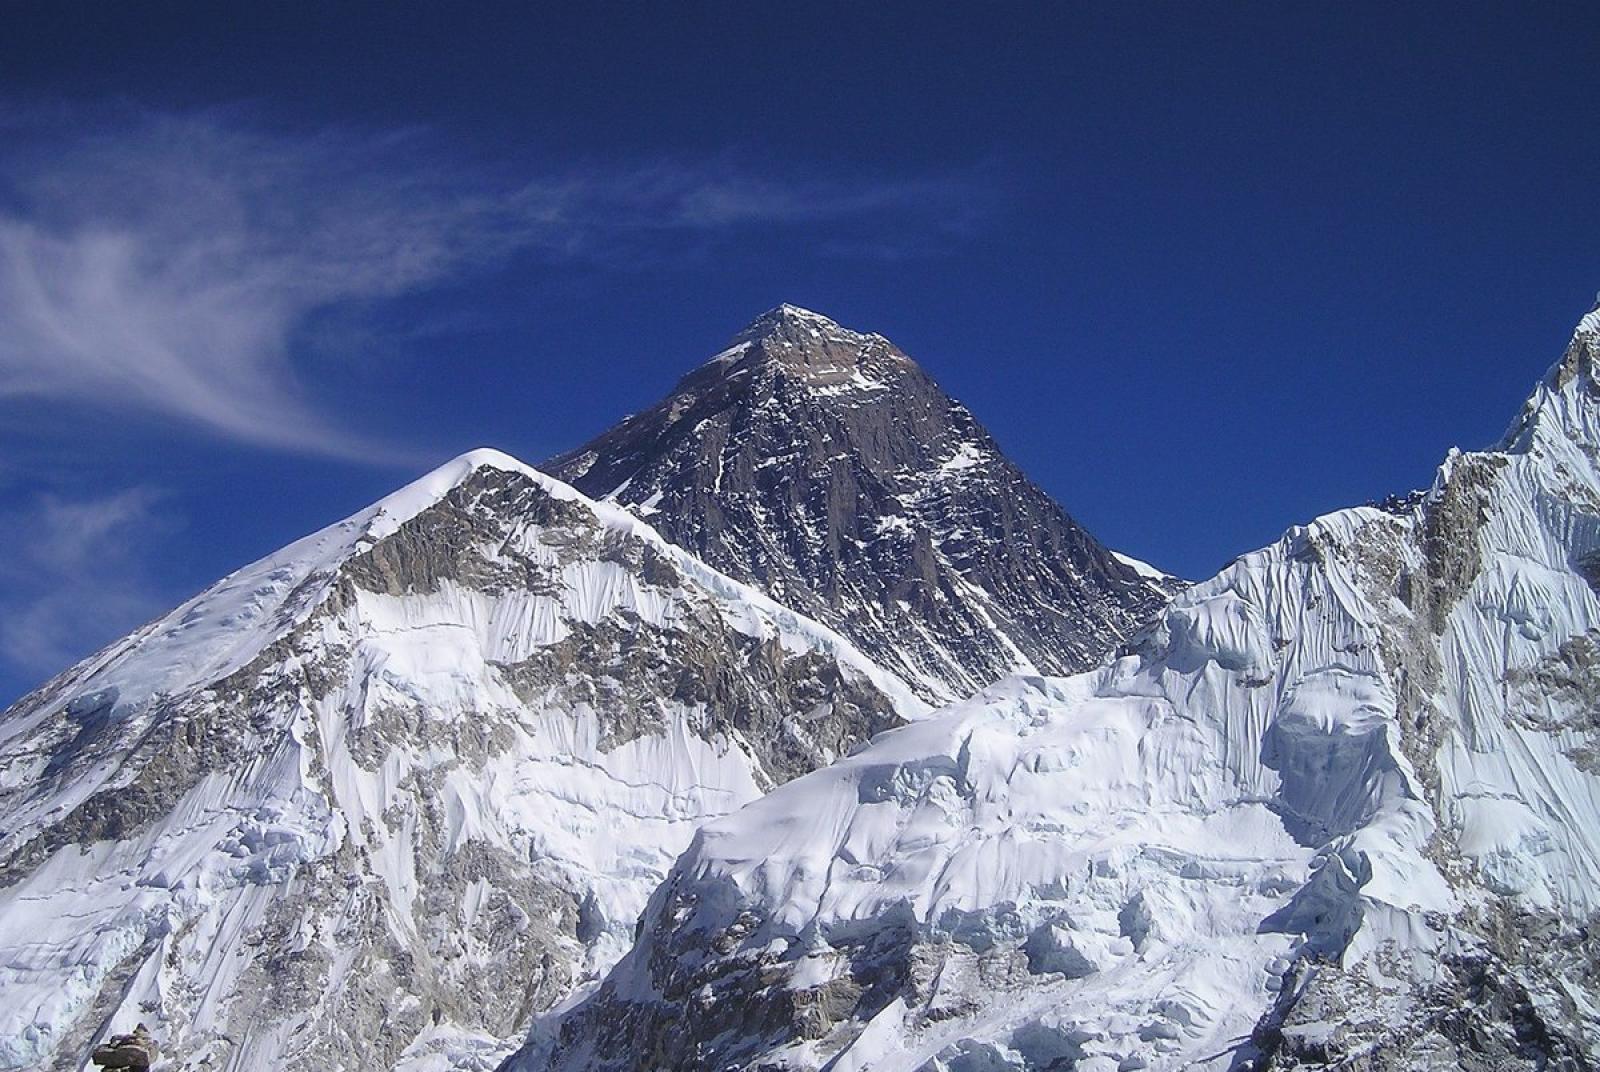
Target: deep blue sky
[1205,271]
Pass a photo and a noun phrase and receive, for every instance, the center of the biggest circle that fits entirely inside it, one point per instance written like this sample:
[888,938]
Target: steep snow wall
[1339,806]
[383,795]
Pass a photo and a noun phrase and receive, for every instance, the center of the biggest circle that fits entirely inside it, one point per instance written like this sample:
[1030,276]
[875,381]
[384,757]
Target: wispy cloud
[724,194]
[71,576]
[164,265]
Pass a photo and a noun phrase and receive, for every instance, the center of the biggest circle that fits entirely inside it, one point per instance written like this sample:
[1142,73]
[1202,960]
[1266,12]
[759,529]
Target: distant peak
[796,312]
[801,346]
[795,324]
[807,344]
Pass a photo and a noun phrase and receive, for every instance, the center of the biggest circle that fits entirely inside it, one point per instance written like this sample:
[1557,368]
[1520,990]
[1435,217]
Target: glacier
[376,799]
[1339,806]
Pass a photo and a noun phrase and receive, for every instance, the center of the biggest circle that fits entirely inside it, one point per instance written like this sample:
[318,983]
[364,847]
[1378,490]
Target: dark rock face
[825,466]
[716,1003]
[1507,1004]
[134,1051]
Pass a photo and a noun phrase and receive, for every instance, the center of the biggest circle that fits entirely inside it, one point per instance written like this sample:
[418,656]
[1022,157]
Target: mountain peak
[783,319]
[246,773]
[1563,414]
[801,328]
[824,465]
[400,506]
[808,346]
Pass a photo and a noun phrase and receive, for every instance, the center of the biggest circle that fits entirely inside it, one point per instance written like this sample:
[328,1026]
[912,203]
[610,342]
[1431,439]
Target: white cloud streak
[71,575]
[164,267]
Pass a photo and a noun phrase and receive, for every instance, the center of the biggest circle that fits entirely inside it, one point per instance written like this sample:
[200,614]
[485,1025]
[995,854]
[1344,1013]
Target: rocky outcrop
[826,467]
[136,1051]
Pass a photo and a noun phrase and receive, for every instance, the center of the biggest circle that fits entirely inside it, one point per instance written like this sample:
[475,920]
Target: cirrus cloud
[73,575]
[163,265]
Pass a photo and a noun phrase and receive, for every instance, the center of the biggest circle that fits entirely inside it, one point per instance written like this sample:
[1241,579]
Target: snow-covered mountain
[378,798]
[824,466]
[1339,807]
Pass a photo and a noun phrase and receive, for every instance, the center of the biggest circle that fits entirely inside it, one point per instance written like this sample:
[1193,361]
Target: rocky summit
[826,467]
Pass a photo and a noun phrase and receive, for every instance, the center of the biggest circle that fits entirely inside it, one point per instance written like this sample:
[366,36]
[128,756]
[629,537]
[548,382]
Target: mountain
[825,467]
[1338,807]
[378,798]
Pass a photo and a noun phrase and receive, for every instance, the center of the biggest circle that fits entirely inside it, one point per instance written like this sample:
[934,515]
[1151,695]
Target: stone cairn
[136,1052]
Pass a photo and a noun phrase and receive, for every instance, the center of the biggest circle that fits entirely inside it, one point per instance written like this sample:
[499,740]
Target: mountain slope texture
[378,798]
[825,467]
[1339,807]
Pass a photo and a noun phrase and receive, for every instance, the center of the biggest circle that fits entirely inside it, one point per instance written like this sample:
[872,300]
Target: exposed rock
[136,1051]
[826,467]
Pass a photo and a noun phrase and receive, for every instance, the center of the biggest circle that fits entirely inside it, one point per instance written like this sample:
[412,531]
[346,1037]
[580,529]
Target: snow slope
[1338,807]
[379,797]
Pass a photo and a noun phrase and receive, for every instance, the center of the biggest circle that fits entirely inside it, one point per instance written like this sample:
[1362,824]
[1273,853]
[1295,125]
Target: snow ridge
[1339,803]
[379,797]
